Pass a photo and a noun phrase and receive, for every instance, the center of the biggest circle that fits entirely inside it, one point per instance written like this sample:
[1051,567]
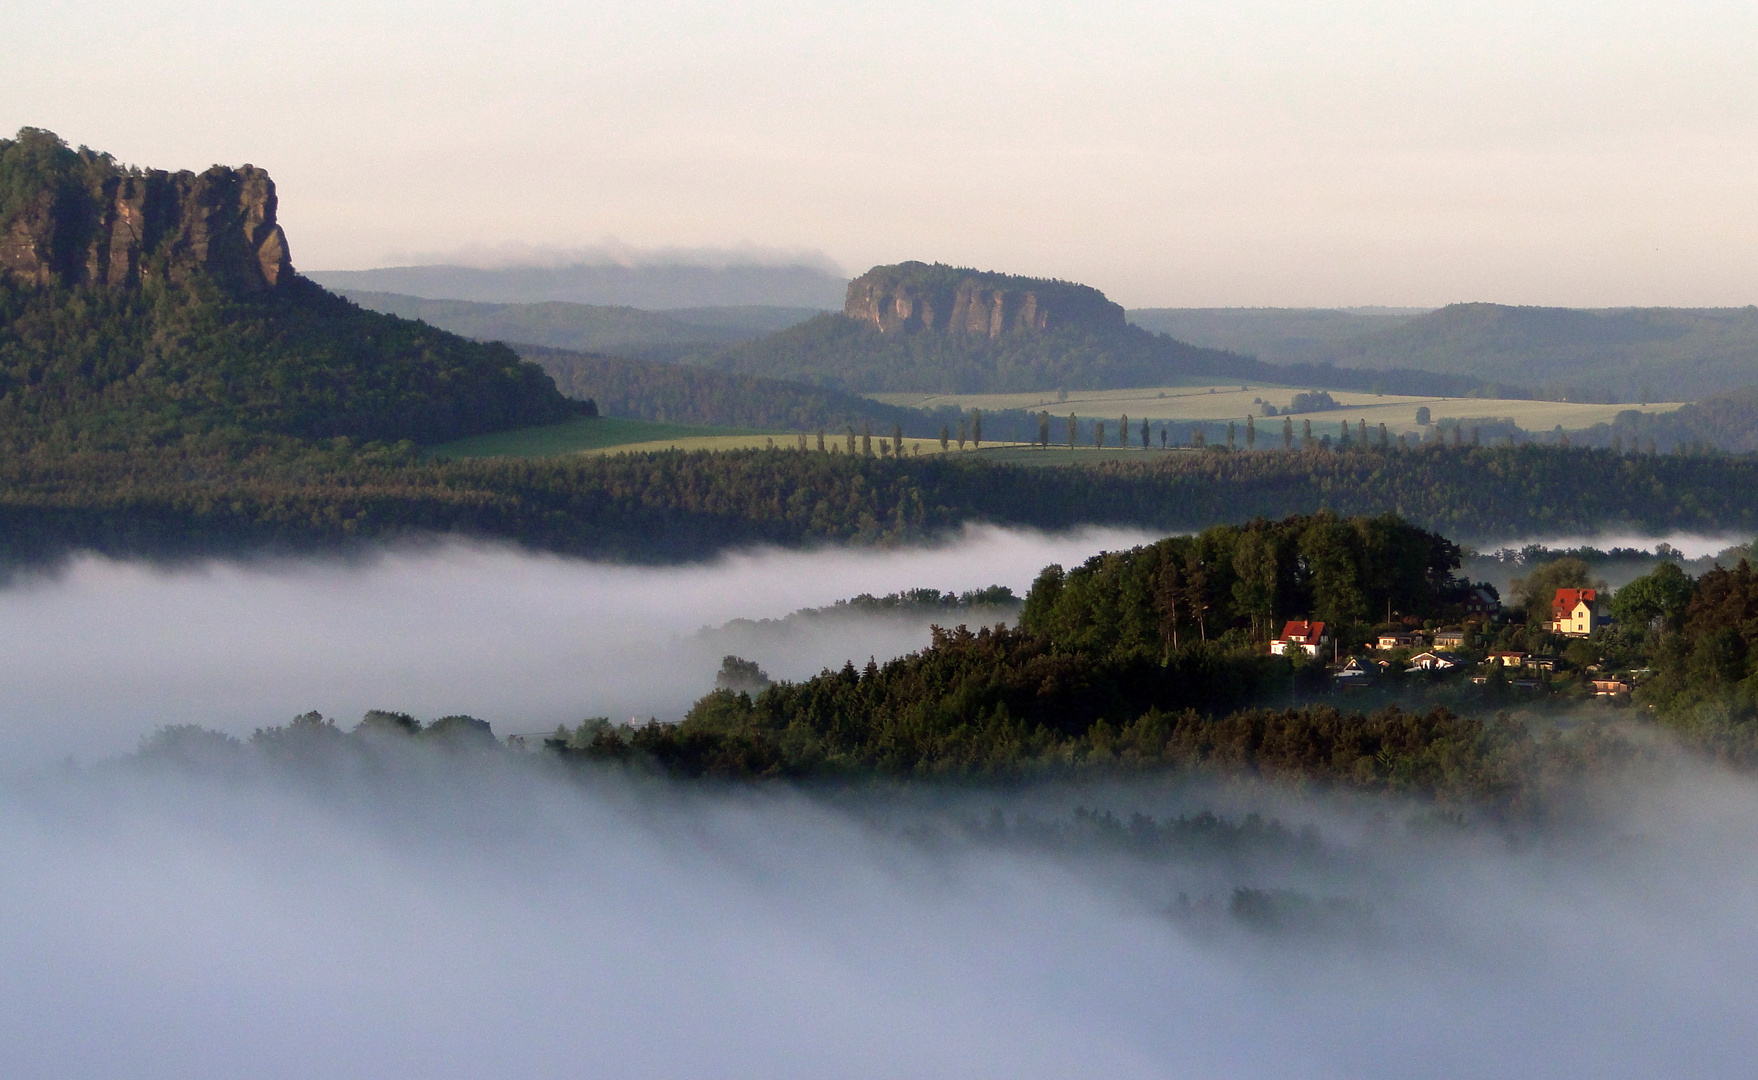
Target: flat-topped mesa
[919,296]
[77,218]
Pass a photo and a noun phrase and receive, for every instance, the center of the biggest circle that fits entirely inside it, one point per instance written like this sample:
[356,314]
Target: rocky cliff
[78,218]
[918,296]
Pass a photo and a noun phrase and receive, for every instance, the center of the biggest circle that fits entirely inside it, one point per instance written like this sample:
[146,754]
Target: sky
[1173,154]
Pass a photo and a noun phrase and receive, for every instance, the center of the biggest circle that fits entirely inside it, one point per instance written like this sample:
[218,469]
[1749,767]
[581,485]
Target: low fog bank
[102,652]
[1621,558]
[468,915]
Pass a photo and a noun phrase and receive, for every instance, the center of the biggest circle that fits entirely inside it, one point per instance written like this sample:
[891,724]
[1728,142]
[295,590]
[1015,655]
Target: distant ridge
[654,288]
[586,327]
[932,328]
[1582,354]
[1633,353]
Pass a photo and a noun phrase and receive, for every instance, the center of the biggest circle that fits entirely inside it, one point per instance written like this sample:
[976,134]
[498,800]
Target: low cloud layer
[101,653]
[446,916]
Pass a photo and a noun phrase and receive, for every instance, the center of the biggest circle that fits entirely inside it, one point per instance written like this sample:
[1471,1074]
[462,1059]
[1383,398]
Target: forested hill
[145,309]
[1626,353]
[937,329]
[652,390]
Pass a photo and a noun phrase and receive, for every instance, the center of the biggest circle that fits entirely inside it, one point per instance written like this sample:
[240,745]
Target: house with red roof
[1572,612]
[1300,635]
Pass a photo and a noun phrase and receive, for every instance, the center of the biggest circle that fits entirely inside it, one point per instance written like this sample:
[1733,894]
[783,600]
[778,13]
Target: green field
[582,434]
[620,435]
[789,441]
[1220,403]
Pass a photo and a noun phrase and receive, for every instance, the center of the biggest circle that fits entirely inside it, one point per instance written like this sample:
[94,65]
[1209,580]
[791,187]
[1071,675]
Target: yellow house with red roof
[1572,612]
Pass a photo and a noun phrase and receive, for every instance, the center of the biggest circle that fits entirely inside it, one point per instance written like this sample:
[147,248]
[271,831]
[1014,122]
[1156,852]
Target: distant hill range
[935,328]
[654,288]
[588,327]
[1620,354]
[1277,335]
[143,309]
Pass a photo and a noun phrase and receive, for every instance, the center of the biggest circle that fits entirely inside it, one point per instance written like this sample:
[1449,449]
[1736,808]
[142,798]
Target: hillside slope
[622,386]
[144,308]
[1632,353]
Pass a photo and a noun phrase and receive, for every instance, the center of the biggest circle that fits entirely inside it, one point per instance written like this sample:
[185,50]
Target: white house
[1433,661]
[1300,636]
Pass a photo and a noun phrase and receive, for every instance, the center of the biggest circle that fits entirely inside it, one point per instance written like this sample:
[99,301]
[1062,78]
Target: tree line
[198,498]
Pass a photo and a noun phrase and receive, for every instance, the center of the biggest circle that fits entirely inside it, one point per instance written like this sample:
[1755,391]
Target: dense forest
[1096,678]
[651,390]
[1726,421]
[92,367]
[677,505]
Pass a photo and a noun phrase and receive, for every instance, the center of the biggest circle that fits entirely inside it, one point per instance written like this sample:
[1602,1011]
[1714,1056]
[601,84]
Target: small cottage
[1450,639]
[1399,639]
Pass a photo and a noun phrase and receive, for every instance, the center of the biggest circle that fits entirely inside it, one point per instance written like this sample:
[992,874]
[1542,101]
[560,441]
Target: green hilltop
[144,308]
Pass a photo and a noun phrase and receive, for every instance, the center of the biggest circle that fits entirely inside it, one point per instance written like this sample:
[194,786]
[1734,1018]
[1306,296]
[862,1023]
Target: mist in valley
[296,906]
[213,909]
[99,653]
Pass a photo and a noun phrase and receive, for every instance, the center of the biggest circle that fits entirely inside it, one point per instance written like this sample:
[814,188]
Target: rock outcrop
[917,296]
[78,218]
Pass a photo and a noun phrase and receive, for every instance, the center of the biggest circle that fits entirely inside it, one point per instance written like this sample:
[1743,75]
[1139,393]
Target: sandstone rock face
[118,227]
[916,296]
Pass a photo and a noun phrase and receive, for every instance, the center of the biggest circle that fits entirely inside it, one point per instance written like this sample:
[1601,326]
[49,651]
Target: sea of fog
[446,915]
[467,914]
[100,653]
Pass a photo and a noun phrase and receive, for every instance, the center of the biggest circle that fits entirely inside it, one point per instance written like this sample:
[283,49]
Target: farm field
[618,435]
[584,435]
[790,441]
[1230,402]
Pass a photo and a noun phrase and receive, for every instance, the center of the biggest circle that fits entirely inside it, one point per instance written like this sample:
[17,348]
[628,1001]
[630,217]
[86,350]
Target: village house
[1300,635]
[1450,639]
[1508,658]
[1610,687]
[1572,612]
[1399,639]
[1482,603]
[1433,661]
[1355,673]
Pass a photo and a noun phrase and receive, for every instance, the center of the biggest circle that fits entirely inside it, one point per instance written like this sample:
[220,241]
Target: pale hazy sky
[1238,153]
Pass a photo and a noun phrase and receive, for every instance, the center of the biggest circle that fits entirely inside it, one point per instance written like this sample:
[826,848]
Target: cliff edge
[76,217]
[955,300]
